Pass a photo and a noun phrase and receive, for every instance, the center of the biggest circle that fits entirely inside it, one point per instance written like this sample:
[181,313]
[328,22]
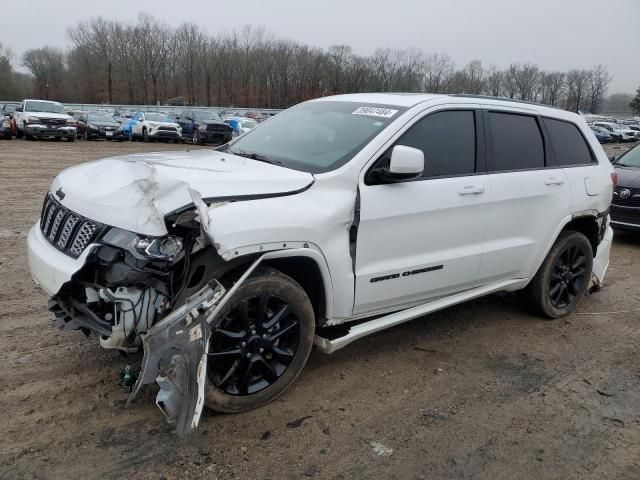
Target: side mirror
[612,158]
[406,163]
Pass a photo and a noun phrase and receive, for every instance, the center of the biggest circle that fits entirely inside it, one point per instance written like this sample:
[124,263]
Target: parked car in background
[257,116]
[240,125]
[150,126]
[617,132]
[100,124]
[203,126]
[44,119]
[5,128]
[625,207]
[601,134]
[7,111]
[76,114]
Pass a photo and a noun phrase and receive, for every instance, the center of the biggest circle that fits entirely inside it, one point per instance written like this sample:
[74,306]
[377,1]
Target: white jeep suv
[335,219]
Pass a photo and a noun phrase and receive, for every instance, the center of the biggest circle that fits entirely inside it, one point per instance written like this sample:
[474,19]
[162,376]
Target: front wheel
[145,135]
[563,277]
[260,343]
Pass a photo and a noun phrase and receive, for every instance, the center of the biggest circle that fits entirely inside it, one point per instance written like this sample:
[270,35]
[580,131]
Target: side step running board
[362,330]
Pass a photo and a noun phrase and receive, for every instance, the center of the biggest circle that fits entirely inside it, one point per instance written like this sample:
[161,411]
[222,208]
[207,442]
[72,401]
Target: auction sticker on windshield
[375,112]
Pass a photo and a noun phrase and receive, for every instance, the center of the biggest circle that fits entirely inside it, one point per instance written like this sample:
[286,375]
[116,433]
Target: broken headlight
[166,248]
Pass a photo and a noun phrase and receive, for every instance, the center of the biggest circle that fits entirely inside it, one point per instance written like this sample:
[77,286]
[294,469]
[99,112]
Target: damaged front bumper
[175,356]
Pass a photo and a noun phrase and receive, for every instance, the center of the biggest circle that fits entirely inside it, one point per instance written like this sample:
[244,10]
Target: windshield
[630,159]
[46,107]
[206,116]
[9,108]
[316,137]
[100,117]
[156,117]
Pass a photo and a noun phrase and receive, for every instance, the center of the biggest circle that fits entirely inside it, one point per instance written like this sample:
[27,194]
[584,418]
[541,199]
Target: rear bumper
[601,260]
[49,267]
[37,130]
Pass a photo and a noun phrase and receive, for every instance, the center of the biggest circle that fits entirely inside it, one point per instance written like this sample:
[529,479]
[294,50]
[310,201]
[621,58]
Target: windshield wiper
[254,156]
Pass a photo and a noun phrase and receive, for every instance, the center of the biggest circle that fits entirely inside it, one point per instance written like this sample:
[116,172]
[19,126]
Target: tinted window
[517,142]
[448,140]
[568,143]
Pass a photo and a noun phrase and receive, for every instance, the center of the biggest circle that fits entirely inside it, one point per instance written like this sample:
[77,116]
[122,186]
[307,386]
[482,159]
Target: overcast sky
[556,34]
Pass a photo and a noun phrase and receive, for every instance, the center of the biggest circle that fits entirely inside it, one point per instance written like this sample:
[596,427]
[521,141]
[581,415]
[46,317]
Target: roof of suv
[409,100]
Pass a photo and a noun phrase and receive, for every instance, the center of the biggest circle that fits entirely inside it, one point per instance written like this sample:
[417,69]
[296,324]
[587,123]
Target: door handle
[554,181]
[471,190]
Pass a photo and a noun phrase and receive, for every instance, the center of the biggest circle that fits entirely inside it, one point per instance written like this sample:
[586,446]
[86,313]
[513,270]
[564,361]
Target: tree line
[148,62]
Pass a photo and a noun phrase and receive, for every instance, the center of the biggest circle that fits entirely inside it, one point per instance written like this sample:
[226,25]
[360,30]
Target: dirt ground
[482,390]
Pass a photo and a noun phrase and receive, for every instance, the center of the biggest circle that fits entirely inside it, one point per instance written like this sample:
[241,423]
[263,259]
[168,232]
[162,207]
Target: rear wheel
[260,344]
[563,278]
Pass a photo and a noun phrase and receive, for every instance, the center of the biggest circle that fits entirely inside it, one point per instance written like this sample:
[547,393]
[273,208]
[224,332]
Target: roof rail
[502,99]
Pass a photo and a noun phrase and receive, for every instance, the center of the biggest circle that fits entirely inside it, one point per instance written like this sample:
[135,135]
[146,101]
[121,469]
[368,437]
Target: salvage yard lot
[481,390]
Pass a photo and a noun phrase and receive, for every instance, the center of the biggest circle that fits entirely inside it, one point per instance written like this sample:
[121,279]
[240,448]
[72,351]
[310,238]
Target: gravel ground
[481,390]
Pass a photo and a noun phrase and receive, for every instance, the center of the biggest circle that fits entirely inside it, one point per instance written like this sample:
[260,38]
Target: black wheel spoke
[279,315]
[262,308]
[282,331]
[554,290]
[231,335]
[270,372]
[230,372]
[226,353]
[243,313]
[283,353]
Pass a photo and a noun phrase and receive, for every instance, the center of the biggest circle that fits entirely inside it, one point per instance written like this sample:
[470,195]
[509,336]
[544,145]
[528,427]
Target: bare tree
[526,79]
[97,37]
[598,82]
[437,72]
[47,66]
[494,81]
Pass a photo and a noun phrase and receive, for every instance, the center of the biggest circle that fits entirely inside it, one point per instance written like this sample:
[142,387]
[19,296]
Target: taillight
[614,179]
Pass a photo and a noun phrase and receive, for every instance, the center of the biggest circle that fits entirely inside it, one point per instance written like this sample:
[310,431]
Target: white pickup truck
[43,119]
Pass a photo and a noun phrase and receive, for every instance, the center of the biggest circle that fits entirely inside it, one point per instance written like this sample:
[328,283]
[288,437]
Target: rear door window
[517,143]
[568,144]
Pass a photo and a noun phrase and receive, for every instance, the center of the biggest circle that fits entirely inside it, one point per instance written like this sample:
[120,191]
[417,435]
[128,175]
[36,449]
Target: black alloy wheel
[563,278]
[568,277]
[259,342]
[254,345]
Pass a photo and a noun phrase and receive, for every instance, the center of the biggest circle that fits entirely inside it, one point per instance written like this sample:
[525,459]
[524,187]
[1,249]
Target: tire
[19,133]
[145,135]
[563,277]
[295,329]
[71,139]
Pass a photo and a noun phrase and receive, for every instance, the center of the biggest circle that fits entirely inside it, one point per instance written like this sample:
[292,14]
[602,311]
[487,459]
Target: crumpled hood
[628,177]
[135,192]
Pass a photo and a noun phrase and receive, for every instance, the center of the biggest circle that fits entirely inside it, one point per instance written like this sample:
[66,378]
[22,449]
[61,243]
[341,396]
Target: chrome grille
[67,231]
[56,223]
[83,237]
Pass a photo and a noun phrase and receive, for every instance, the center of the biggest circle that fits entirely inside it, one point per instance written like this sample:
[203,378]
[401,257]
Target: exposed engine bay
[155,293]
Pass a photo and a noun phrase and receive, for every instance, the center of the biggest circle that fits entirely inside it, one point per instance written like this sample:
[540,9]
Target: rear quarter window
[569,145]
